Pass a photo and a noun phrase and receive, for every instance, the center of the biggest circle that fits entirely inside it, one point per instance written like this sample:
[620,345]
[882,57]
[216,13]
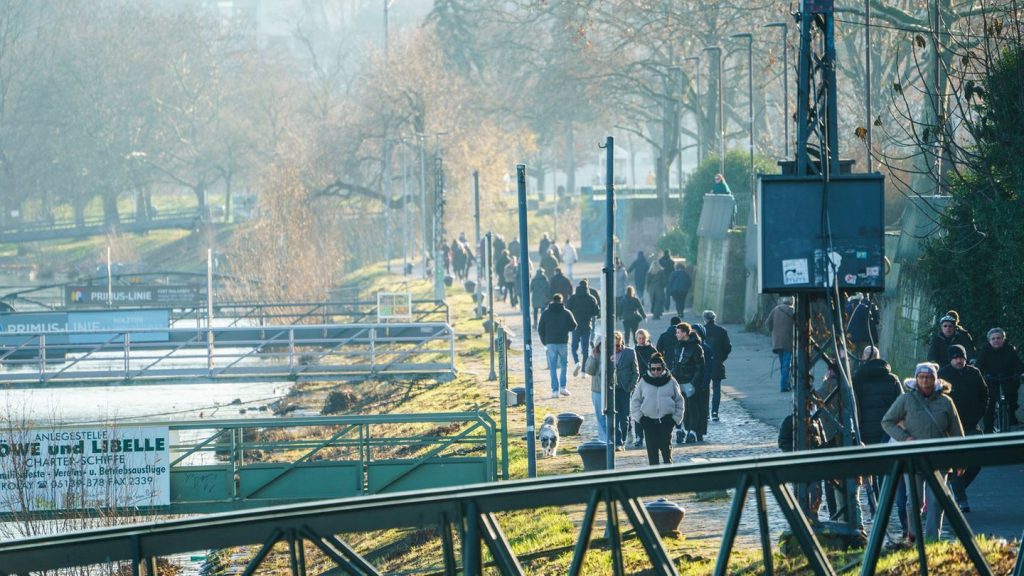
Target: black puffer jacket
[583,306]
[668,345]
[555,324]
[718,339]
[875,387]
[938,349]
[969,393]
[1000,366]
[690,364]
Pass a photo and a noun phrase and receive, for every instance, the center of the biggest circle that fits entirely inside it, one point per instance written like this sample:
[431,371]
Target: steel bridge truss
[470,513]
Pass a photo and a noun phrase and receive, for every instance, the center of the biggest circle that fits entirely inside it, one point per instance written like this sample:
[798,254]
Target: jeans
[785,359]
[602,428]
[581,344]
[659,438]
[557,360]
[716,395]
[621,416]
[958,483]
[933,512]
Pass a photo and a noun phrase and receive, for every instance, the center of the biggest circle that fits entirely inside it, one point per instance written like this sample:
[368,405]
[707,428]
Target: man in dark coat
[721,345]
[1001,366]
[679,287]
[875,387]
[703,395]
[584,308]
[556,323]
[969,393]
[689,368]
[548,263]
[627,372]
[540,294]
[561,285]
[948,334]
[639,271]
[668,344]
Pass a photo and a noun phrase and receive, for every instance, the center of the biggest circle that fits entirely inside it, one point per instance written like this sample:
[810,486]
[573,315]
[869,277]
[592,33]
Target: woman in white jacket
[657,406]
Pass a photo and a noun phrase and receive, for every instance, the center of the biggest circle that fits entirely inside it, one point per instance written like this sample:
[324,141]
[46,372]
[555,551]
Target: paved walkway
[751,411]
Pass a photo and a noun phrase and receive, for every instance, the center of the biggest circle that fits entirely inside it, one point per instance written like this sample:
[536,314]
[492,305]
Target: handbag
[688,389]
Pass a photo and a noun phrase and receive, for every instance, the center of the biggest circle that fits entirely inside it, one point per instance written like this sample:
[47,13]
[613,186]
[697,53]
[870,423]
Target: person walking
[656,289]
[548,262]
[924,413]
[556,323]
[721,345]
[703,395]
[584,308]
[621,281]
[679,287]
[561,285]
[512,281]
[656,405]
[500,262]
[626,374]
[1001,365]
[638,268]
[632,313]
[780,325]
[644,352]
[969,393]
[689,372]
[875,388]
[569,258]
[949,333]
[668,344]
[540,294]
[592,368]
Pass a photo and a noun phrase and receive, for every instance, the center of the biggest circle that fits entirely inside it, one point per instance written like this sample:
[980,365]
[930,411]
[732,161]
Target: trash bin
[520,394]
[569,423]
[594,455]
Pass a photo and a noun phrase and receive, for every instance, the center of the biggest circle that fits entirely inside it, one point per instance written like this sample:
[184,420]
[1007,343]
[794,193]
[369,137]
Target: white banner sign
[74,468]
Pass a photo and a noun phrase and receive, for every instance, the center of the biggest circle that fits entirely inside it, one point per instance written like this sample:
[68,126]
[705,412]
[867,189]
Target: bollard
[593,455]
[569,424]
[666,516]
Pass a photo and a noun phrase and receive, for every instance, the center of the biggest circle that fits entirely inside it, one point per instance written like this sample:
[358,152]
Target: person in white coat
[657,406]
[569,258]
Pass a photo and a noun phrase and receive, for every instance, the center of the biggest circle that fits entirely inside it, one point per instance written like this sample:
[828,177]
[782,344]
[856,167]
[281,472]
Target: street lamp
[750,101]
[700,141]
[721,110]
[785,81]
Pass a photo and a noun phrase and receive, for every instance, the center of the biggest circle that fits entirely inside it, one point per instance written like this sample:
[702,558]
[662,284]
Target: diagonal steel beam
[1018,569]
[353,557]
[914,514]
[504,557]
[586,529]
[732,525]
[766,535]
[661,562]
[330,551]
[268,544]
[614,535]
[880,523]
[816,557]
[961,528]
[447,545]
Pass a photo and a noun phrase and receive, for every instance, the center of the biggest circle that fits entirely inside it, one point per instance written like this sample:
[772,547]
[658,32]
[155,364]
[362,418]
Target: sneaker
[620,448]
[576,370]
[638,444]
[714,416]
[680,436]
[554,394]
[691,437]
[564,392]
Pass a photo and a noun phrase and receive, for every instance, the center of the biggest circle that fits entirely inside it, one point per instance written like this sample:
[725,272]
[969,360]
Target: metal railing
[288,352]
[282,313]
[46,230]
[471,512]
[223,465]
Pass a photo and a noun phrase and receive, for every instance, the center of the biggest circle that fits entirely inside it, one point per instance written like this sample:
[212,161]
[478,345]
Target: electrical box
[814,233]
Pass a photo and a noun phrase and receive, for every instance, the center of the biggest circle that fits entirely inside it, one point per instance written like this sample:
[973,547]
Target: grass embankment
[542,539]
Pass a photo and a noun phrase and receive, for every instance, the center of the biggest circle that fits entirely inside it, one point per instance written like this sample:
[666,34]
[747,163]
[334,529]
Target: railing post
[209,350]
[127,354]
[42,357]
[373,349]
[451,348]
[291,348]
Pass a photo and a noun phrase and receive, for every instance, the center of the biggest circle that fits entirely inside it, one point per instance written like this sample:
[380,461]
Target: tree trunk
[227,196]
[111,216]
[570,160]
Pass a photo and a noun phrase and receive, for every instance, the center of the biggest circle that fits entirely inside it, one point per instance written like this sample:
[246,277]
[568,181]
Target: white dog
[549,436]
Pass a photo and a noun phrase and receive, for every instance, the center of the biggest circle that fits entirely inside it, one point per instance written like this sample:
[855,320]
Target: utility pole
[406,240]
[721,109]
[524,305]
[425,243]
[697,110]
[490,300]
[785,83]
[439,232]
[608,346]
[476,218]
[750,109]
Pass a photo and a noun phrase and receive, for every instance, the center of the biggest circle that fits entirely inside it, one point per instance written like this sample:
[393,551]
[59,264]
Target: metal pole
[439,239]
[785,84]
[423,204]
[750,105]
[209,308]
[524,304]
[697,114]
[405,209]
[476,218]
[490,299]
[110,280]
[608,347]
[721,110]
[867,76]
[386,188]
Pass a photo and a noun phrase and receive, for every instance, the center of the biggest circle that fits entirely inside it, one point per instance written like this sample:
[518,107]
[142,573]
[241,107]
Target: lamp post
[425,242]
[721,109]
[785,83]
[750,102]
[867,77]
[698,108]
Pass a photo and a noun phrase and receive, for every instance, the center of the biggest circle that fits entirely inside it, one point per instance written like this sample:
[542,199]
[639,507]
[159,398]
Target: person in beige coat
[924,413]
[780,326]
[656,405]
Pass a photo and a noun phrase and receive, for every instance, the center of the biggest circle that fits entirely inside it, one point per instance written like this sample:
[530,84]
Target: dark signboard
[813,233]
[137,295]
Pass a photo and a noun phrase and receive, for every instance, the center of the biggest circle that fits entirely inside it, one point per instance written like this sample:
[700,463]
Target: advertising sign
[85,327]
[153,295]
[394,305]
[74,468]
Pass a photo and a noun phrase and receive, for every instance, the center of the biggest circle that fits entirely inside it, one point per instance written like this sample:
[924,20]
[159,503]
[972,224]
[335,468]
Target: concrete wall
[720,277]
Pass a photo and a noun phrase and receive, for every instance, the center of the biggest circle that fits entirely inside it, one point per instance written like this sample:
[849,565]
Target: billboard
[83,327]
[814,233]
[75,468]
[394,305]
[136,295]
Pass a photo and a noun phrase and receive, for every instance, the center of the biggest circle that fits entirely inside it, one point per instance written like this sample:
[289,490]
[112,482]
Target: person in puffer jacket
[657,406]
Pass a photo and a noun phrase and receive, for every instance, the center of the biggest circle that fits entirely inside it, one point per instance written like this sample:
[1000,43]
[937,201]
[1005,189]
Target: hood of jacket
[941,386]
[873,369]
[556,306]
